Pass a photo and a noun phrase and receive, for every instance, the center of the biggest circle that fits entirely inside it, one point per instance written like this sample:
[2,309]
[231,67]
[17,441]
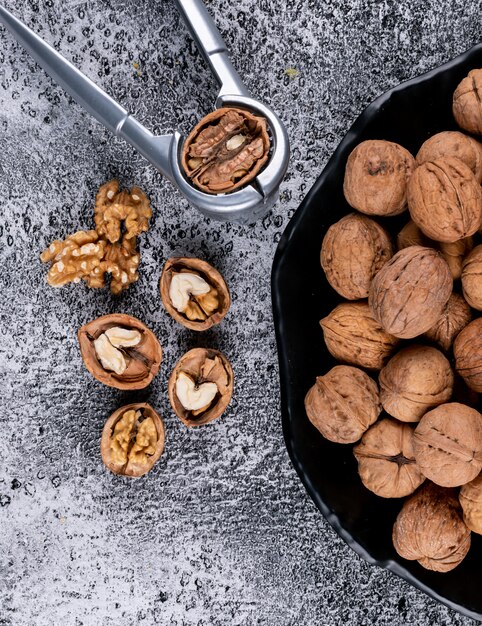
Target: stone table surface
[221,531]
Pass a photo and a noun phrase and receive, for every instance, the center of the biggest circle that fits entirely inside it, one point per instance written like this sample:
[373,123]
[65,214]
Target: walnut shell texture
[452,143]
[454,253]
[472,278]
[408,294]
[470,497]
[343,403]
[386,463]
[353,336]
[448,444]
[445,199]
[415,380]
[430,529]
[468,354]
[467,102]
[455,316]
[411,235]
[352,252]
[376,177]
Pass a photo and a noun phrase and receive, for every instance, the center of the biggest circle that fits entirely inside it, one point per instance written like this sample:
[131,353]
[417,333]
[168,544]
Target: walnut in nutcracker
[472,278]
[120,351]
[415,380]
[455,316]
[343,403]
[408,294]
[376,177]
[132,440]
[430,529]
[352,252]
[451,143]
[470,497]
[386,463]
[468,354]
[200,386]
[467,102]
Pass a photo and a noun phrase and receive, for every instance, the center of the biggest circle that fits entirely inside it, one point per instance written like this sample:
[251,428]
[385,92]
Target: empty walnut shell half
[226,150]
[343,403]
[201,386]
[445,199]
[352,252]
[132,440]
[452,143]
[415,380]
[472,278]
[448,444]
[455,316]
[386,463]
[408,294]
[467,102]
[120,351]
[194,293]
[471,500]
[468,354]
[430,529]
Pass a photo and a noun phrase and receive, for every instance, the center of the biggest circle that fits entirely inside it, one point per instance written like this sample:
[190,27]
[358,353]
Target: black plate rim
[289,231]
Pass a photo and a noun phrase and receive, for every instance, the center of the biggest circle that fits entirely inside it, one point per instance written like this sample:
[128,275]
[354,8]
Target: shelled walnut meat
[455,316]
[472,278]
[352,252]
[468,354]
[453,144]
[386,463]
[194,293]
[430,529]
[471,501]
[200,386]
[120,351]
[343,403]
[408,294]
[467,102]
[415,380]
[226,150]
[132,440]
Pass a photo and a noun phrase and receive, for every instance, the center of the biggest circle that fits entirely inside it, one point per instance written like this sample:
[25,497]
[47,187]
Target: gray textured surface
[221,531]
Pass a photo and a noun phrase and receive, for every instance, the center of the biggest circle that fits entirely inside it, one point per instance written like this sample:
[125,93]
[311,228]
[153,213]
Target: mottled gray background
[221,531]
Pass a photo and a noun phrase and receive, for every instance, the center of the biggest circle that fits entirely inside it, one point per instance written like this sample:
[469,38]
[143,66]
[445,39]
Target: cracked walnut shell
[472,278]
[430,529]
[376,177]
[448,444]
[470,497]
[408,294]
[343,403]
[132,440]
[194,293]
[468,354]
[120,351]
[226,150]
[455,316]
[352,252]
[467,102]
[386,463]
[453,144]
[200,386]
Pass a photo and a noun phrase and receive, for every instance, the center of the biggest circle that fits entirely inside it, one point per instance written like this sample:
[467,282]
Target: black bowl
[301,295]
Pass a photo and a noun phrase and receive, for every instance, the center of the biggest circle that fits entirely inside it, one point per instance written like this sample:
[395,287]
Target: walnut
[120,351]
[429,529]
[353,336]
[472,278]
[121,260]
[466,106]
[468,354]
[343,403]
[454,253]
[353,251]
[448,444]
[455,316]
[415,380]
[385,460]
[471,501]
[445,199]
[226,150]
[453,144]
[194,293]
[132,440]
[376,177]
[411,235]
[408,294]
[200,386]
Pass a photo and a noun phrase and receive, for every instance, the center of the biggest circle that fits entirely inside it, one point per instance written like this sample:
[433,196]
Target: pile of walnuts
[411,317]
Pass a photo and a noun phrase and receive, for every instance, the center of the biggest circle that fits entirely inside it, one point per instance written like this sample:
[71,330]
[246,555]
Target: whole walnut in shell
[343,403]
[415,380]
[467,102]
[408,294]
[454,253]
[468,354]
[448,444]
[353,336]
[445,199]
[472,278]
[411,235]
[376,177]
[430,529]
[352,252]
[452,143]
[385,460]
[471,500]
[455,316]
